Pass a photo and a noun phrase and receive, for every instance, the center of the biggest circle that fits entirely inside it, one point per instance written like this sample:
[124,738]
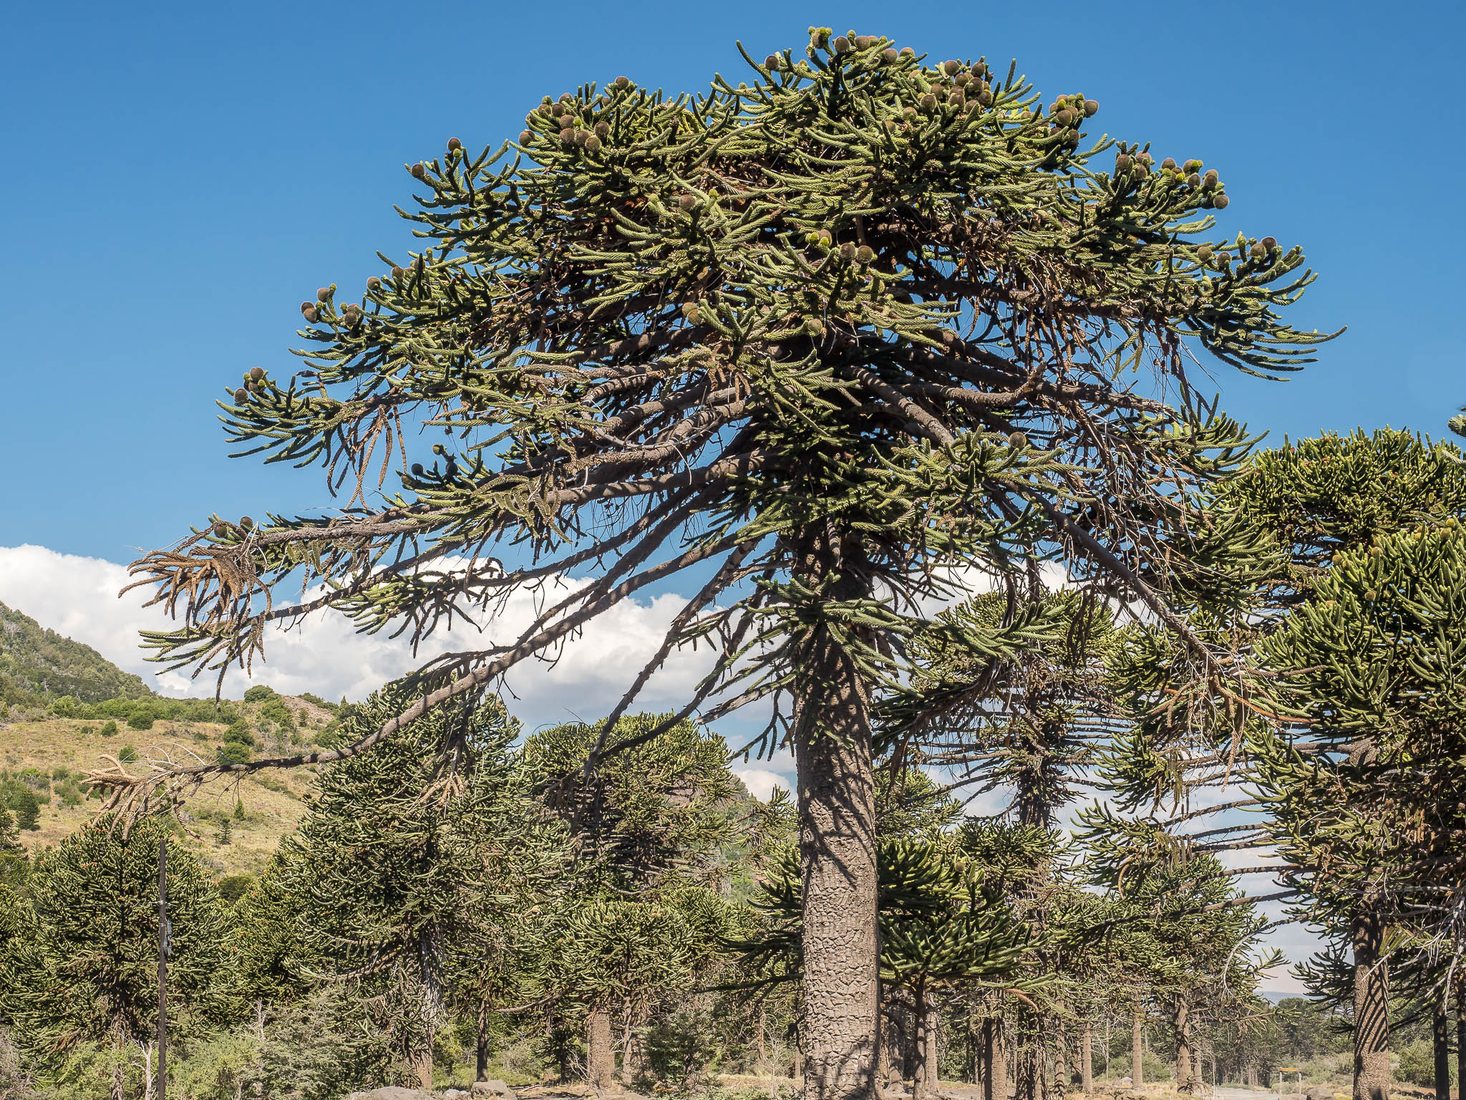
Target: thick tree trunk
[1440,1037]
[832,752]
[631,1055]
[924,1071]
[421,1064]
[885,1034]
[933,1051]
[561,1046]
[1027,1071]
[600,1062]
[1137,1047]
[1061,1059]
[1086,1058]
[995,1061]
[1371,1011]
[974,1053]
[429,1009]
[117,1085]
[481,1044]
[1185,1056]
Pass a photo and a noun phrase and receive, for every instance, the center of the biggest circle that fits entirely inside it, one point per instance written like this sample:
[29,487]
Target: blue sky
[180,176]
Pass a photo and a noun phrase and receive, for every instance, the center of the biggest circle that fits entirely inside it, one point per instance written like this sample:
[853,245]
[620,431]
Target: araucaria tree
[818,339]
[87,968]
[389,878]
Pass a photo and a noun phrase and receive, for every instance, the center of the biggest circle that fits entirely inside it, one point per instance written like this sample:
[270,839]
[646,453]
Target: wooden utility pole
[165,946]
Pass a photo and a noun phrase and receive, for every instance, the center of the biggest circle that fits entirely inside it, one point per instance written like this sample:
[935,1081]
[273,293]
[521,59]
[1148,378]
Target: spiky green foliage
[634,955]
[1301,505]
[942,926]
[1191,926]
[1364,783]
[641,910]
[1014,697]
[87,967]
[905,308]
[13,935]
[662,805]
[1333,493]
[408,873]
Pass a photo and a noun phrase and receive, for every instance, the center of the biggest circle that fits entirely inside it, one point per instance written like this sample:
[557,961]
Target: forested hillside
[38,664]
[67,713]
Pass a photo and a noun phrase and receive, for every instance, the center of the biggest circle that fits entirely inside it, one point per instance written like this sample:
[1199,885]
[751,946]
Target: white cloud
[761,782]
[77,596]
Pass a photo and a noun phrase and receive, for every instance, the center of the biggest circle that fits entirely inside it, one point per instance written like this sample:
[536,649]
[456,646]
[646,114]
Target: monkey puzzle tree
[89,971]
[813,339]
[388,874]
[1321,500]
[1010,698]
[641,909]
[1365,783]
[1198,936]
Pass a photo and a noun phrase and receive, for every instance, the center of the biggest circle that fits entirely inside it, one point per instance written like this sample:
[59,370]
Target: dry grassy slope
[273,801]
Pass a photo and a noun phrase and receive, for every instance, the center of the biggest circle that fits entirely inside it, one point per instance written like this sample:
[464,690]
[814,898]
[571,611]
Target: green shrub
[232,752]
[259,693]
[67,706]
[680,1050]
[238,733]
[24,805]
[127,754]
[141,720]
[69,790]
[108,728]
[1417,1064]
[216,1067]
[277,712]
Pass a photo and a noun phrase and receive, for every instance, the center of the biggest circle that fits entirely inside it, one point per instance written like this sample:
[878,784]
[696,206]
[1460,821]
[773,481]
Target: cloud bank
[78,597]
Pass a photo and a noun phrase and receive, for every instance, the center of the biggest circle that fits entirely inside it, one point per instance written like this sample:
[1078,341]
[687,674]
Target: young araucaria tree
[812,345]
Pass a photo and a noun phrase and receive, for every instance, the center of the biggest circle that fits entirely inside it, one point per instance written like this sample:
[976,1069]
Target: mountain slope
[38,664]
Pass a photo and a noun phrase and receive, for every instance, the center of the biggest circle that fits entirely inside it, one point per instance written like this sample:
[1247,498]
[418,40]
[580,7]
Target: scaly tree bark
[1137,1047]
[837,842]
[995,1060]
[1371,1011]
[600,1060]
[1186,1077]
[1086,1058]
